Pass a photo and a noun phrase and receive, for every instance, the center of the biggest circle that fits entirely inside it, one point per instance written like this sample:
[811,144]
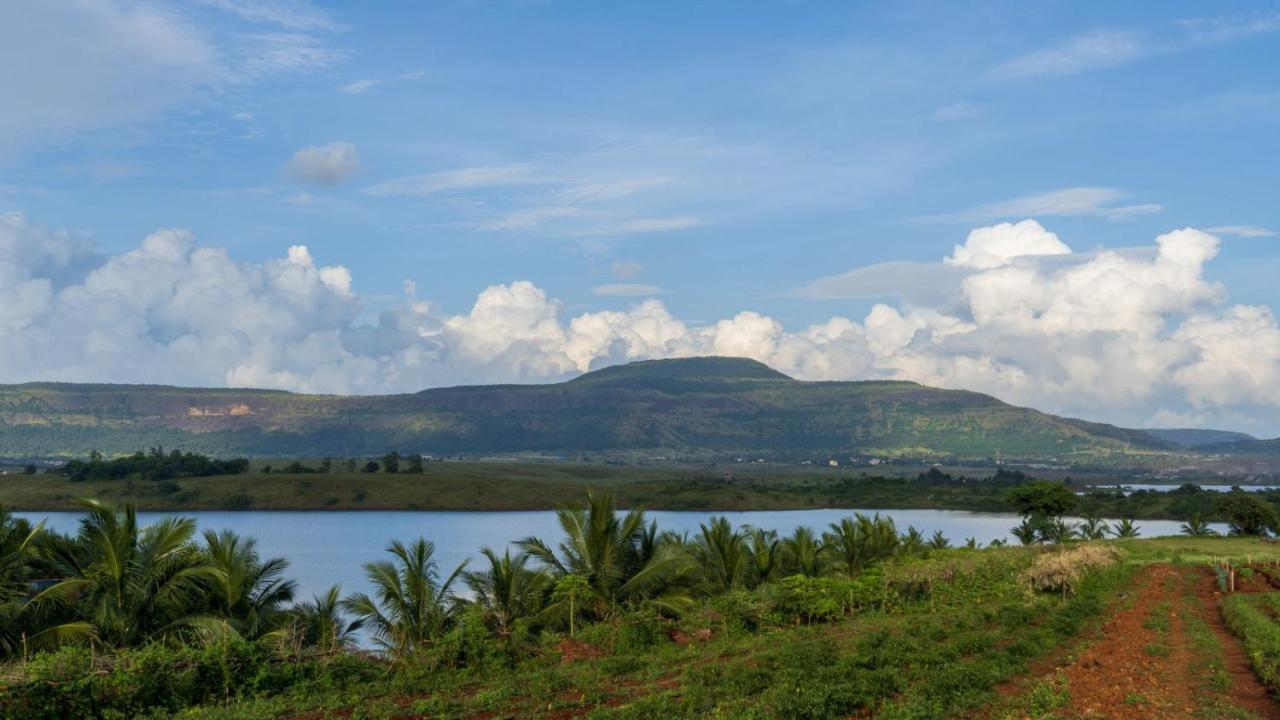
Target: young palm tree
[938,541]
[802,554]
[972,543]
[860,542]
[248,592]
[1027,532]
[138,585]
[413,607]
[319,623]
[722,556]
[913,542]
[622,560]
[508,590]
[1125,529]
[1093,528]
[1057,530]
[764,548]
[1195,527]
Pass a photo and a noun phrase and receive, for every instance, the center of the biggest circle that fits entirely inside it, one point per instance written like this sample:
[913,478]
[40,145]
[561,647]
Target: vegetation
[694,408]
[153,465]
[730,622]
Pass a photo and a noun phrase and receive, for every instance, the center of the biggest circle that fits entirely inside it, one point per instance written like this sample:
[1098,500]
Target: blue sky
[716,157]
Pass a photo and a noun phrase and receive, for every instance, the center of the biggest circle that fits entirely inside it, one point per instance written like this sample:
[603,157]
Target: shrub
[1062,570]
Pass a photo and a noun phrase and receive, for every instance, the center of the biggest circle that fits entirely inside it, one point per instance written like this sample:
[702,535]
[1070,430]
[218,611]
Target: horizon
[1064,207]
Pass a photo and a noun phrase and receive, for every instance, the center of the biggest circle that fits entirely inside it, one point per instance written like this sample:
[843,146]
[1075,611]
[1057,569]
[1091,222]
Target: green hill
[691,408]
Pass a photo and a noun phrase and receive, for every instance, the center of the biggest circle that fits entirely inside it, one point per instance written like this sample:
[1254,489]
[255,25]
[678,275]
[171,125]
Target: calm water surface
[324,548]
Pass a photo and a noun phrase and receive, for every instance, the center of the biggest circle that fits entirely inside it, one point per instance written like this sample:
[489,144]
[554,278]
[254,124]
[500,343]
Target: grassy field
[1138,633]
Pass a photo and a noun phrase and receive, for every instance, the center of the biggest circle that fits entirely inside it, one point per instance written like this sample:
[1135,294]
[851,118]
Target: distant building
[833,463]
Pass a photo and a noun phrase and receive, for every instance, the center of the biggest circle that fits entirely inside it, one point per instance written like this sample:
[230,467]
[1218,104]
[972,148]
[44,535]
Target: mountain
[1195,437]
[691,408]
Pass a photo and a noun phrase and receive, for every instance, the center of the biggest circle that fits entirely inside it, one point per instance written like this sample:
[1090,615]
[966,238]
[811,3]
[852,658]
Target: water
[1134,487]
[324,548]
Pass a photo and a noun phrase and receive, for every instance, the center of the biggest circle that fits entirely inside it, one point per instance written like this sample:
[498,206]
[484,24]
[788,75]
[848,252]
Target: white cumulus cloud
[329,164]
[1124,336]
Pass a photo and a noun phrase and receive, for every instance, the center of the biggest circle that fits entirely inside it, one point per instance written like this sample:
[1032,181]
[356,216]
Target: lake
[324,548]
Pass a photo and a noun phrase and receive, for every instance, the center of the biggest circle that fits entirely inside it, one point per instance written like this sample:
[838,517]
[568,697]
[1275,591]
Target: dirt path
[1144,665]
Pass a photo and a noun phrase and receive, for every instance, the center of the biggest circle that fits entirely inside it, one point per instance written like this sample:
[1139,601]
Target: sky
[1068,205]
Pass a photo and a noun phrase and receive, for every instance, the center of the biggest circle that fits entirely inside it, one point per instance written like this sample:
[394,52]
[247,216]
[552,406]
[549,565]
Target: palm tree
[1057,530]
[1093,528]
[249,593]
[16,543]
[508,590]
[623,561]
[138,584]
[1027,532]
[1195,527]
[413,607]
[1125,529]
[913,542]
[723,558]
[938,541]
[971,543]
[802,553]
[319,623]
[764,547]
[860,542]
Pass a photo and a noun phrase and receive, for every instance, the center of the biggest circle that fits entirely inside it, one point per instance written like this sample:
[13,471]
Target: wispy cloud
[596,191]
[533,217]
[360,87]
[266,54]
[458,179]
[1091,51]
[1245,231]
[643,225]
[626,290]
[1105,48]
[1094,201]
[289,14]
[957,111]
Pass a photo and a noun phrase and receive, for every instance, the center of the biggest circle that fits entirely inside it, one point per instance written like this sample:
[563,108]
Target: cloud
[411,75]
[626,290]
[627,269]
[1105,48]
[643,225]
[532,217]
[1245,231]
[289,14]
[468,178]
[1093,50]
[1118,336]
[1092,201]
[330,164]
[359,87]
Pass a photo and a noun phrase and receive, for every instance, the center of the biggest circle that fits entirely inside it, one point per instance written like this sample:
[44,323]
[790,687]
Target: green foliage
[1249,514]
[153,465]
[1255,626]
[1042,498]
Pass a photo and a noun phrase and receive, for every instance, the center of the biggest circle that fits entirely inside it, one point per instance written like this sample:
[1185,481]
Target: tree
[801,554]
[413,607]
[138,584]
[29,469]
[1248,514]
[319,623]
[370,467]
[1057,530]
[1027,532]
[1042,498]
[1125,529]
[414,464]
[391,462]
[723,557]
[17,541]
[764,548]
[913,542]
[1195,527]
[859,542]
[350,465]
[326,465]
[1093,528]
[249,592]
[508,590]
[568,594]
[622,560]
[938,541]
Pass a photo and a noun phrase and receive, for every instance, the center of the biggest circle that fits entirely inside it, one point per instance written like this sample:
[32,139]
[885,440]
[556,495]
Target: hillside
[1198,437]
[692,408]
